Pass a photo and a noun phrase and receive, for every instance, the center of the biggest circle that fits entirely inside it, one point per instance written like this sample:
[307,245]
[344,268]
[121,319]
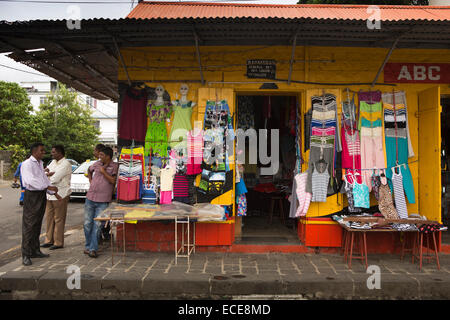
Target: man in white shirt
[59,172]
[36,185]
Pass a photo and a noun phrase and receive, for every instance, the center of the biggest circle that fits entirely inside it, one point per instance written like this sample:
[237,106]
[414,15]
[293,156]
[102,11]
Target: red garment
[267,106]
[128,188]
[292,116]
[265,187]
[348,160]
[133,117]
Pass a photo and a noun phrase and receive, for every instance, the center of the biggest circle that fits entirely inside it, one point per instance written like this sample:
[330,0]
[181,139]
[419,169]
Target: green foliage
[18,125]
[19,154]
[374,2]
[64,120]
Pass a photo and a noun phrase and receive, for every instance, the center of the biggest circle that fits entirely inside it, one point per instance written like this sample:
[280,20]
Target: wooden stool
[273,199]
[408,246]
[360,242]
[419,243]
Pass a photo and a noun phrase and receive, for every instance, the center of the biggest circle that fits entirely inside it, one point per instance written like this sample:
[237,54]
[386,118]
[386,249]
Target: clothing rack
[168,141]
[397,166]
[371,169]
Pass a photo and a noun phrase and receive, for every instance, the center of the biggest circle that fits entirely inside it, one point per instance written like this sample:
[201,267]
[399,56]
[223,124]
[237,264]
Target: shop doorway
[267,218]
[445,164]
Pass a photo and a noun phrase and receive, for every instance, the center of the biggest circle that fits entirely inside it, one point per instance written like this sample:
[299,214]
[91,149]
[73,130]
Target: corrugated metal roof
[199,10]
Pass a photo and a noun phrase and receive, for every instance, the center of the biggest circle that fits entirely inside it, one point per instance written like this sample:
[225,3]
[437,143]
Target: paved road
[11,222]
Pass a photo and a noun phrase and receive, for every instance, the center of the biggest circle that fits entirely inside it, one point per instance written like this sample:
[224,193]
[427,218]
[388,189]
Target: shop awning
[87,58]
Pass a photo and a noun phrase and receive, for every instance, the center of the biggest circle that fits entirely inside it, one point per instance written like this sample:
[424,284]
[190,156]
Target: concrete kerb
[17,282]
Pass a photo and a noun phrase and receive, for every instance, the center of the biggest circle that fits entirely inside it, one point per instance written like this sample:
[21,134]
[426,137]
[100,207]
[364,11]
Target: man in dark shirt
[102,177]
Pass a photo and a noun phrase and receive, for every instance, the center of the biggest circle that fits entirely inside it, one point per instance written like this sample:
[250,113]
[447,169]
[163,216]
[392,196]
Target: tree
[374,2]
[64,120]
[18,125]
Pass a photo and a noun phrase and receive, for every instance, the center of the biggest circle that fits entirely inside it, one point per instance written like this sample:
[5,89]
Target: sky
[22,10]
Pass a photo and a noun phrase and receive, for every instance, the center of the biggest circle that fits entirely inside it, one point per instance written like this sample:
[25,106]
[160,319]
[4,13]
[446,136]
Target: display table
[117,214]
[357,237]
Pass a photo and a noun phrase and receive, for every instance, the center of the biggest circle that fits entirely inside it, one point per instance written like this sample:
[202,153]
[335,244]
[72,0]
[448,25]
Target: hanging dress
[156,137]
[181,124]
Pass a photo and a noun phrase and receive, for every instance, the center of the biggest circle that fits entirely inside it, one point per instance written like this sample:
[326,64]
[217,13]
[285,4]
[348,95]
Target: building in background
[104,111]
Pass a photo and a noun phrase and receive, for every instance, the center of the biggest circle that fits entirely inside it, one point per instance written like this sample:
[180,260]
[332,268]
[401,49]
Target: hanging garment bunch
[351,156]
[382,124]
[324,144]
[130,181]
[218,135]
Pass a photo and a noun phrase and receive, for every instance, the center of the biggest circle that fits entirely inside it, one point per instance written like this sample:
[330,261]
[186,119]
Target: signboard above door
[417,73]
[261,69]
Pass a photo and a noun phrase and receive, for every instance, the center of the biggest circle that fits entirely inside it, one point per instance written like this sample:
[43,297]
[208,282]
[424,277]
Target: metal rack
[185,238]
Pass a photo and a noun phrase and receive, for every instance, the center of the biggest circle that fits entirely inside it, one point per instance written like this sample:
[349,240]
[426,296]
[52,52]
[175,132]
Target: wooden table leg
[403,246]
[420,250]
[415,245]
[365,248]
[351,249]
[346,242]
[361,246]
[343,242]
[436,252]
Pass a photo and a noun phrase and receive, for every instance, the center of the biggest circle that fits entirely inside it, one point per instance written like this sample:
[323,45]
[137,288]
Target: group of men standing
[47,192]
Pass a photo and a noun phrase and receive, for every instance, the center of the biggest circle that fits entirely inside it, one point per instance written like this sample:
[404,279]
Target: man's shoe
[20,203]
[46,245]
[86,251]
[93,254]
[55,247]
[39,254]
[26,261]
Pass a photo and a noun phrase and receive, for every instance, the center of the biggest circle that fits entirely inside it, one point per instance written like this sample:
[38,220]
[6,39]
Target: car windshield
[83,167]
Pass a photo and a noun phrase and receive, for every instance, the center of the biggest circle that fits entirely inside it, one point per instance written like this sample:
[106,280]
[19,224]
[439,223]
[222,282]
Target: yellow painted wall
[164,65]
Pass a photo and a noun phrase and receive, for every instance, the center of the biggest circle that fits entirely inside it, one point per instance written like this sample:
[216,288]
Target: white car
[79,183]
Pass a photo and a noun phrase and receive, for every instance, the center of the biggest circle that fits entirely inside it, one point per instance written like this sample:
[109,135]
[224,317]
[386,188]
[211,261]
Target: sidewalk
[147,275]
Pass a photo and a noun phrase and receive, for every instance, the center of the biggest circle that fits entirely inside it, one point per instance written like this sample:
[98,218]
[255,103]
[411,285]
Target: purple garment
[370,96]
[101,189]
[33,175]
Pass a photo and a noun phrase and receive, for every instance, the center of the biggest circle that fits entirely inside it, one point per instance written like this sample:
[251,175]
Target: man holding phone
[102,177]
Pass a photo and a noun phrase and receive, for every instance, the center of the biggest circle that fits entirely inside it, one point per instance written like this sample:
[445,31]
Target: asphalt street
[11,222]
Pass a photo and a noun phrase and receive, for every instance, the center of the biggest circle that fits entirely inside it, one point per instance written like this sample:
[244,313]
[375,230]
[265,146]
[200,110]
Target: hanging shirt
[167,175]
[133,118]
[320,185]
[361,195]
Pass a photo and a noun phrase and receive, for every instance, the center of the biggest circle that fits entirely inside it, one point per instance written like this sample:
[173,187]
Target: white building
[104,111]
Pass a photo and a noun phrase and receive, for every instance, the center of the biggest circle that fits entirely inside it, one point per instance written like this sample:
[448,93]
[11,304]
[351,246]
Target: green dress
[181,124]
[156,136]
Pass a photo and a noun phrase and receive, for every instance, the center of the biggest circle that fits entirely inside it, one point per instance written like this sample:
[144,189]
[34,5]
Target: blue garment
[391,157]
[361,196]
[92,229]
[241,188]
[17,174]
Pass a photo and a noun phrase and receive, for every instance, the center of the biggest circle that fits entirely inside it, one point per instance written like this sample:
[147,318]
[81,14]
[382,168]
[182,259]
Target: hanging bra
[371,132]
[371,124]
[366,107]
[324,115]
